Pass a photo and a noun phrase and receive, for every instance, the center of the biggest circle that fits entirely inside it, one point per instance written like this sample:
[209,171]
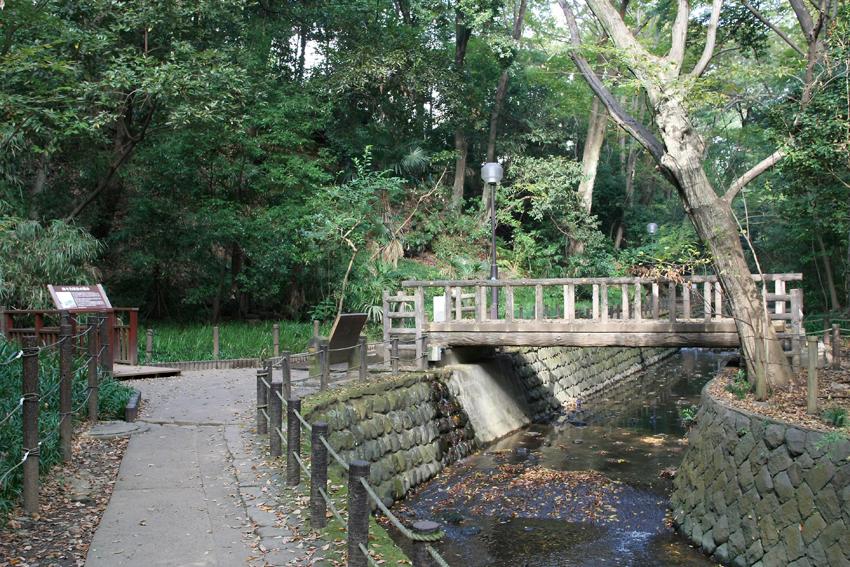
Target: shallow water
[589,489]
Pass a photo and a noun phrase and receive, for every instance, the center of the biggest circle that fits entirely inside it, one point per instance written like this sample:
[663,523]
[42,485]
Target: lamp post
[651,229]
[491,173]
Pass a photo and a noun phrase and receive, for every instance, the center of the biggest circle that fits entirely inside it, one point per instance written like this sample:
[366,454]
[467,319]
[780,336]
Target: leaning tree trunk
[715,223]
[592,150]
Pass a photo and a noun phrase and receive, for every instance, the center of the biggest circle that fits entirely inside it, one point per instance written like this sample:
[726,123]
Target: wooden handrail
[586,281]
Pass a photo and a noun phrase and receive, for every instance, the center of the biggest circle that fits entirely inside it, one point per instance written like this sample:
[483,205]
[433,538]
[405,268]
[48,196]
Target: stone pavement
[191,491]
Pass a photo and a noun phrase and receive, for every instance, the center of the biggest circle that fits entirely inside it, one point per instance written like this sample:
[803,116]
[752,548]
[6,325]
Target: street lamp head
[652,228]
[491,172]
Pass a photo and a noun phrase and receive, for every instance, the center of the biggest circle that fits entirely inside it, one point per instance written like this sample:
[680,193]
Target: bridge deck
[691,311]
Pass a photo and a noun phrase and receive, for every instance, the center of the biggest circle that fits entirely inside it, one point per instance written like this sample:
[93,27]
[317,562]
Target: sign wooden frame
[77,298]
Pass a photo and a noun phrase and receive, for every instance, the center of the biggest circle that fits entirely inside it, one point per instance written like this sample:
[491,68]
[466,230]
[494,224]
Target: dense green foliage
[113,397]
[261,159]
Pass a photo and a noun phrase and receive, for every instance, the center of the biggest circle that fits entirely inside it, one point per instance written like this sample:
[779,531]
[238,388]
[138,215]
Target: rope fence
[34,394]
[272,404]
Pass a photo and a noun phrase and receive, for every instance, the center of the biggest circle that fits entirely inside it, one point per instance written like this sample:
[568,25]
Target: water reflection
[590,488]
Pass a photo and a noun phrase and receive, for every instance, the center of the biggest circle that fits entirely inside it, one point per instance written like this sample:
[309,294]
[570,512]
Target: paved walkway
[191,490]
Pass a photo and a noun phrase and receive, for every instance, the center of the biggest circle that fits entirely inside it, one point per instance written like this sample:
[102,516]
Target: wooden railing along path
[625,311]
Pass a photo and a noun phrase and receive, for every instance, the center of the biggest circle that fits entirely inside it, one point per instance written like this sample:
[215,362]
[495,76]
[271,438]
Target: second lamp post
[491,173]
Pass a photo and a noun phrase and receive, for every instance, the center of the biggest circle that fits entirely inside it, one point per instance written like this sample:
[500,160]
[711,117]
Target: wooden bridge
[690,311]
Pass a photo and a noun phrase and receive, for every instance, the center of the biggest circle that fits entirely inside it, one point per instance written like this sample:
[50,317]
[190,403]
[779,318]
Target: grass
[113,398]
[179,342]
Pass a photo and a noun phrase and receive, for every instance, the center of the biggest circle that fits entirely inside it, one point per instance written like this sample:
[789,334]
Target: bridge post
[387,325]
[362,351]
[796,327]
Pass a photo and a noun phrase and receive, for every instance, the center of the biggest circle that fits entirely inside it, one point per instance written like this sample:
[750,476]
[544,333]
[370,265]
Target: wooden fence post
[394,355]
[358,514]
[421,557]
[812,378]
[318,475]
[275,418]
[422,359]
[66,359]
[324,365]
[105,352]
[286,371]
[216,343]
[262,403]
[836,346]
[293,442]
[93,384]
[149,345]
[276,339]
[363,352]
[797,330]
[30,394]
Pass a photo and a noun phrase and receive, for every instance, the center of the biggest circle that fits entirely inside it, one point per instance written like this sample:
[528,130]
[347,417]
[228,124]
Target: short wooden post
[538,302]
[638,301]
[293,441]
[105,352]
[603,291]
[718,301]
[624,301]
[358,513]
[66,360]
[388,324]
[686,300]
[509,304]
[595,301]
[421,557]
[570,302]
[422,357]
[656,304]
[521,312]
[458,303]
[671,300]
[149,345]
[286,371]
[262,403]
[324,365]
[706,301]
[797,331]
[93,365]
[216,343]
[362,351]
[315,328]
[836,346]
[394,356]
[480,293]
[30,394]
[812,378]
[318,475]
[275,418]
[276,339]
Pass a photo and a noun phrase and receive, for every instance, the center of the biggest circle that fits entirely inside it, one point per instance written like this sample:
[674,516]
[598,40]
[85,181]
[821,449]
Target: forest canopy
[210,160]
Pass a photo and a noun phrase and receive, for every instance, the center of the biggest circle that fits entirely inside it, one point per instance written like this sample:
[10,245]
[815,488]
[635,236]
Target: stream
[591,488]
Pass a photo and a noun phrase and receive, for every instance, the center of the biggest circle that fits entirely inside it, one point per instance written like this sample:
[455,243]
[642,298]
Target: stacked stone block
[752,491]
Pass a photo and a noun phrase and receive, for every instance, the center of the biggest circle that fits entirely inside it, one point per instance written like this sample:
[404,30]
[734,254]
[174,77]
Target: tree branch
[756,170]
[710,40]
[679,35]
[785,37]
[804,18]
[622,118]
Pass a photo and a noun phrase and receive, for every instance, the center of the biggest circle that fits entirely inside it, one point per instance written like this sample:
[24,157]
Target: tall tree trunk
[462,35]
[592,149]
[38,184]
[835,305]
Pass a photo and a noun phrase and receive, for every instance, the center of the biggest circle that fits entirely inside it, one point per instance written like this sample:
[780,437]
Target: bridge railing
[622,304]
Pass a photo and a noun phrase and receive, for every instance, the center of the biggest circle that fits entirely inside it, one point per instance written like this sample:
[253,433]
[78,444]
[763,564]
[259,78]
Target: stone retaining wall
[753,491]
[408,426]
[411,426]
[555,377]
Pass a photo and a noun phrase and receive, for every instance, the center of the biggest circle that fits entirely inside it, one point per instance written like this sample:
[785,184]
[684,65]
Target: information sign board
[79,297]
